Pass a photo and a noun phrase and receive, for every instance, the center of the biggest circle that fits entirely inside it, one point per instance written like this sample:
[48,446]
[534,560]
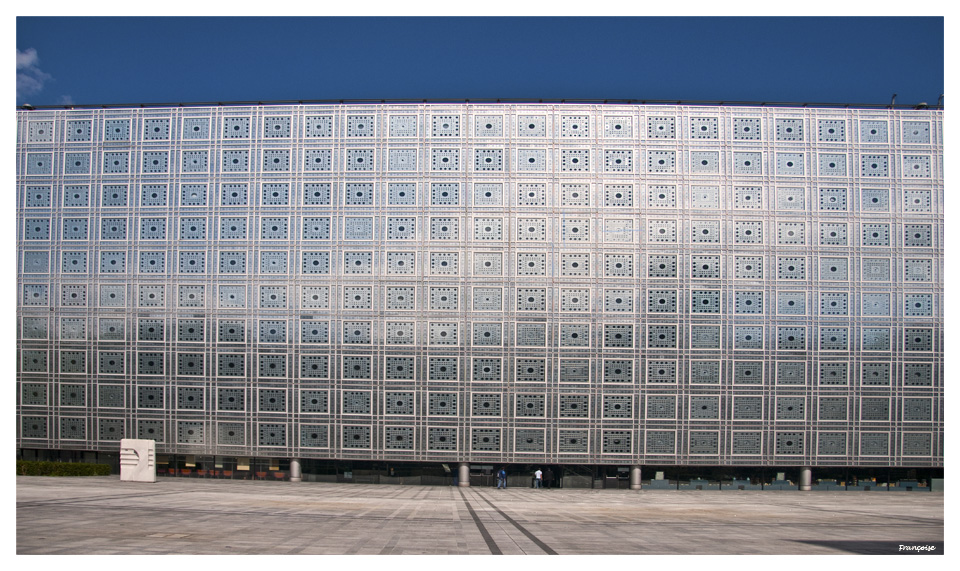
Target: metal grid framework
[557,283]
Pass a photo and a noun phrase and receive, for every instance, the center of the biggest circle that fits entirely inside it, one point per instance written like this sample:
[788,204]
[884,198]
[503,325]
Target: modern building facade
[487,283]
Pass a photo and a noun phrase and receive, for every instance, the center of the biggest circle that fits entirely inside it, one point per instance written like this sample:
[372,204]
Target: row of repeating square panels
[483,160]
[318,334]
[622,194]
[571,441]
[480,125]
[704,300]
[490,226]
[833,337]
[324,264]
[399,333]
[829,370]
[489,300]
[498,405]
[824,370]
[662,368]
[748,234]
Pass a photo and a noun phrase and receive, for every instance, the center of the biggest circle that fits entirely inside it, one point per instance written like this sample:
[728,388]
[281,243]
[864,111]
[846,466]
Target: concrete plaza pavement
[102,515]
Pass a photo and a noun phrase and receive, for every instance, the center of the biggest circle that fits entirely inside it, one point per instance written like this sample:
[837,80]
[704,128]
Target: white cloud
[30,78]
[27,58]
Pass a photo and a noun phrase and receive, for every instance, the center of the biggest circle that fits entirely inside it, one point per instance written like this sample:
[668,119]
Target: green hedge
[27,468]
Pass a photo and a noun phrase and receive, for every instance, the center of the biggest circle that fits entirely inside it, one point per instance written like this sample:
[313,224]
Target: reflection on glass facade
[602,284]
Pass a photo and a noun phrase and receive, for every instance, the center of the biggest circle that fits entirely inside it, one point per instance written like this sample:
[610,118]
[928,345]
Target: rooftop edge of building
[497,101]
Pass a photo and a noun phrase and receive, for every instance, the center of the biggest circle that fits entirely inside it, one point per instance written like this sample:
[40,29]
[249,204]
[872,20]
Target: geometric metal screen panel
[654,284]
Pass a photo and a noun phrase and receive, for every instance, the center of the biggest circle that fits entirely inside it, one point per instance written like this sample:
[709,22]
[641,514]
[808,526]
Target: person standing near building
[538,479]
[548,478]
[502,479]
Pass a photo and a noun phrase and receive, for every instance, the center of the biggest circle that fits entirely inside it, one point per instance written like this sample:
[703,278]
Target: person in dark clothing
[548,478]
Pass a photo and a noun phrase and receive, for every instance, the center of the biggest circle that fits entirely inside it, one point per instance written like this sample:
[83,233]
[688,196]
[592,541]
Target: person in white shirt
[538,479]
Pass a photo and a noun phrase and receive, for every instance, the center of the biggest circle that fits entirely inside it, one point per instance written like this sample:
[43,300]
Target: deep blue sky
[152,60]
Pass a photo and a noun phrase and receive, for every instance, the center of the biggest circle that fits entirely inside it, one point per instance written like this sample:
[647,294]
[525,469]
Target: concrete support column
[295,474]
[806,479]
[463,474]
[634,477]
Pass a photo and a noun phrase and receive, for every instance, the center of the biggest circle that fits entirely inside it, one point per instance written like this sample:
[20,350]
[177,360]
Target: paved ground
[101,515]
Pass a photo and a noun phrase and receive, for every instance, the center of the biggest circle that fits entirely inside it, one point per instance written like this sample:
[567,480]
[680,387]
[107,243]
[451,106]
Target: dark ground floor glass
[576,476]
